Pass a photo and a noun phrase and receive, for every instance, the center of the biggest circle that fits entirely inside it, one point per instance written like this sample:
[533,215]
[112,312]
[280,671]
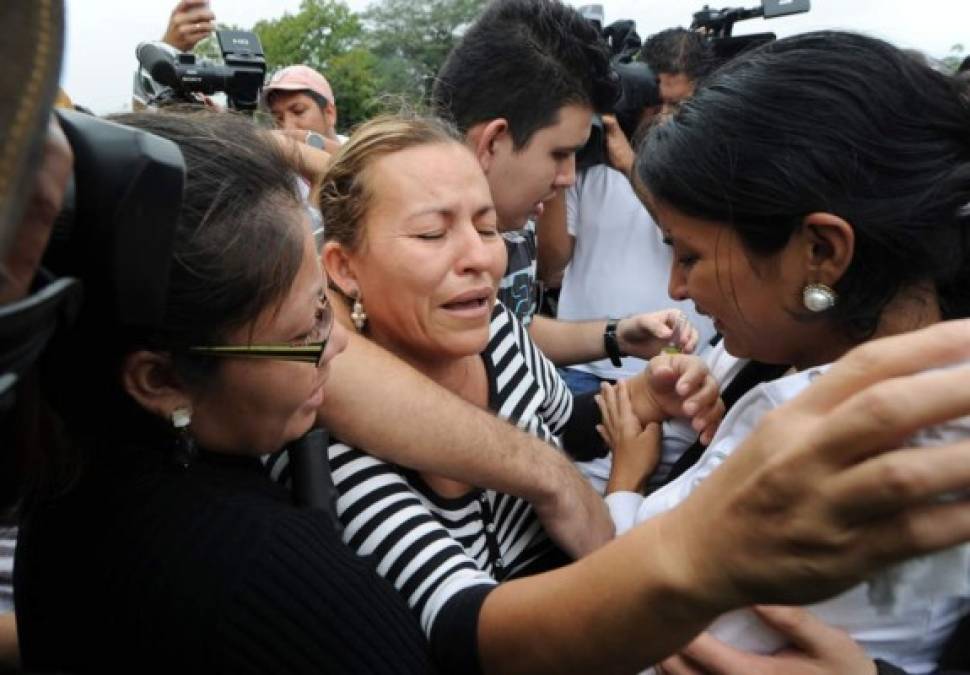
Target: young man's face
[522,180]
[296,110]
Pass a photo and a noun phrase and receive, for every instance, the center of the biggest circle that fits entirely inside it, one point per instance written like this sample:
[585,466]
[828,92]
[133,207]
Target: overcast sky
[102,34]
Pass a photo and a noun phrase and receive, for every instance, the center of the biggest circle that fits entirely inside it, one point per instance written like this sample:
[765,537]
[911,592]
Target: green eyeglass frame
[308,353]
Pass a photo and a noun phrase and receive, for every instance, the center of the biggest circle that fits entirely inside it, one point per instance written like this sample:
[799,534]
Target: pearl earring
[819,297]
[358,315]
[183,449]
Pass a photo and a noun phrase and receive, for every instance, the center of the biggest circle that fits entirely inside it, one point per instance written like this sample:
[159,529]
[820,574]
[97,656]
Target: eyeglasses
[308,350]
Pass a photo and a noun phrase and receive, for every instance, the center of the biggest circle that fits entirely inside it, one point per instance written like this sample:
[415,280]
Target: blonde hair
[345,194]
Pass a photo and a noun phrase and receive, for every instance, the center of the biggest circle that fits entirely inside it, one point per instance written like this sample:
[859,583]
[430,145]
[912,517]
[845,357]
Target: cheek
[499,259]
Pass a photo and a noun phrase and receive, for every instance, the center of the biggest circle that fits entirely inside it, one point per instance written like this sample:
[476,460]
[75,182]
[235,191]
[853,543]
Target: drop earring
[819,297]
[358,315]
[183,448]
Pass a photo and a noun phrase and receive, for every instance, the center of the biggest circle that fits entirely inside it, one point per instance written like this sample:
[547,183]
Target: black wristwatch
[610,343]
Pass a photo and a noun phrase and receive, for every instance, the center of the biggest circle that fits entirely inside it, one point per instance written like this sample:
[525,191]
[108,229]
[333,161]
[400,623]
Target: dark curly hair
[678,51]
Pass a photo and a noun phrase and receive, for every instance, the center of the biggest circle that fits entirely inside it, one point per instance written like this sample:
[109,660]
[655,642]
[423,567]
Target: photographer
[679,57]
[303,104]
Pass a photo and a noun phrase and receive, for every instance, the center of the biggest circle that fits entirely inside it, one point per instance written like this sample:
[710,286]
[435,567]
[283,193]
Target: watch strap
[610,344]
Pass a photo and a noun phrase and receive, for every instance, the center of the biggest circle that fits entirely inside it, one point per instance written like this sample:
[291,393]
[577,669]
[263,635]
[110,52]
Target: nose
[566,174]
[476,254]
[290,121]
[677,282]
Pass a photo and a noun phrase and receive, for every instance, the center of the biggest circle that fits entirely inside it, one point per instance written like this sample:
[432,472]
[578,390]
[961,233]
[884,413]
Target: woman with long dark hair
[816,194]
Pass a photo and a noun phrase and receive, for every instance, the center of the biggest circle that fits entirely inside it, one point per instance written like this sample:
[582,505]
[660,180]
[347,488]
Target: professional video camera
[637,87]
[105,269]
[182,75]
[718,24]
[118,218]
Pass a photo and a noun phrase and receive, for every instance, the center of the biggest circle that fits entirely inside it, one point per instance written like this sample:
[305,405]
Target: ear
[830,246]
[486,140]
[340,268]
[149,378]
[330,114]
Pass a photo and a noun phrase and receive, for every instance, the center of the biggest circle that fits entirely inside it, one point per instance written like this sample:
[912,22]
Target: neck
[452,373]
[913,308]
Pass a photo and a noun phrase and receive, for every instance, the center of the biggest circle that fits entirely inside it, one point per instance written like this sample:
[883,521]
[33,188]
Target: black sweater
[145,567]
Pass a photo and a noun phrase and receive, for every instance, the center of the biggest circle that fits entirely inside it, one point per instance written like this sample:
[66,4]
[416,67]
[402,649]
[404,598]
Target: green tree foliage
[382,59]
[411,40]
[327,36]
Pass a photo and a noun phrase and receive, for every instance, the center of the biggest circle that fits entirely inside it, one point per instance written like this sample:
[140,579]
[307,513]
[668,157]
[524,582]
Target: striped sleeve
[555,403]
[387,522]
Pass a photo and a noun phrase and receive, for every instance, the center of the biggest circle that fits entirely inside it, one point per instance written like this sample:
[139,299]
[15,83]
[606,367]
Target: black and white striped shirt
[433,548]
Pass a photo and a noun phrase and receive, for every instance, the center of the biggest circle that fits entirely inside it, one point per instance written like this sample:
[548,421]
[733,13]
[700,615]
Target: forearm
[568,342]
[626,606]
[376,401]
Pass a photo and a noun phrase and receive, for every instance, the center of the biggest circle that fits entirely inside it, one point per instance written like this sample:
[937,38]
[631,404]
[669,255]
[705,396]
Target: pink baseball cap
[298,78]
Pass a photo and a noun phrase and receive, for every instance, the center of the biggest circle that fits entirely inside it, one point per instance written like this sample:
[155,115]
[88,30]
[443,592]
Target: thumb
[662,373]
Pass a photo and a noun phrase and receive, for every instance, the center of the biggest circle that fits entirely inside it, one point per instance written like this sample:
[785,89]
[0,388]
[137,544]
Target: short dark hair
[237,249]
[678,51]
[523,60]
[319,99]
[829,122]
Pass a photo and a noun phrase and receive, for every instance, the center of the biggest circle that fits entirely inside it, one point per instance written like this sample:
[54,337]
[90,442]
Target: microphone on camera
[159,60]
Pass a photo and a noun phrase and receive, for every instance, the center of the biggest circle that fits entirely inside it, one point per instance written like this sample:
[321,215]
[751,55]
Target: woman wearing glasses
[174,552]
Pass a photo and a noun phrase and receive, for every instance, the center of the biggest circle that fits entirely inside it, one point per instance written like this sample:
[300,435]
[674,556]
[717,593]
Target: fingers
[607,425]
[802,628]
[191,21]
[709,655]
[900,479]
[678,665]
[621,398]
[938,345]
[690,339]
[885,414]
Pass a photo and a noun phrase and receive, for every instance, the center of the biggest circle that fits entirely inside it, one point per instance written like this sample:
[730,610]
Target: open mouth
[477,303]
[472,301]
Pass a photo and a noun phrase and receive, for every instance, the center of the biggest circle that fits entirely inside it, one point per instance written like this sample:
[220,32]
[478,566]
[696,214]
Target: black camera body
[637,86]
[718,24]
[240,76]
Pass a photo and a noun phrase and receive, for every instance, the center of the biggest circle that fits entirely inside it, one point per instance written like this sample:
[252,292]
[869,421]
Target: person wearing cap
[302,100]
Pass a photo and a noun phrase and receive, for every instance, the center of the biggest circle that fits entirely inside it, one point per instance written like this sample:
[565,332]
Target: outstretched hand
[646,335]
[635,446]
[815,649]
[190,22]
[678,385]
[825,491]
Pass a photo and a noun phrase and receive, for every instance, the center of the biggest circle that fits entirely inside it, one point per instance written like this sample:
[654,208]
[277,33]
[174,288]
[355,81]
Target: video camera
[718,24]
[637,86]
[637,83]
[182,75]
[117,220]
